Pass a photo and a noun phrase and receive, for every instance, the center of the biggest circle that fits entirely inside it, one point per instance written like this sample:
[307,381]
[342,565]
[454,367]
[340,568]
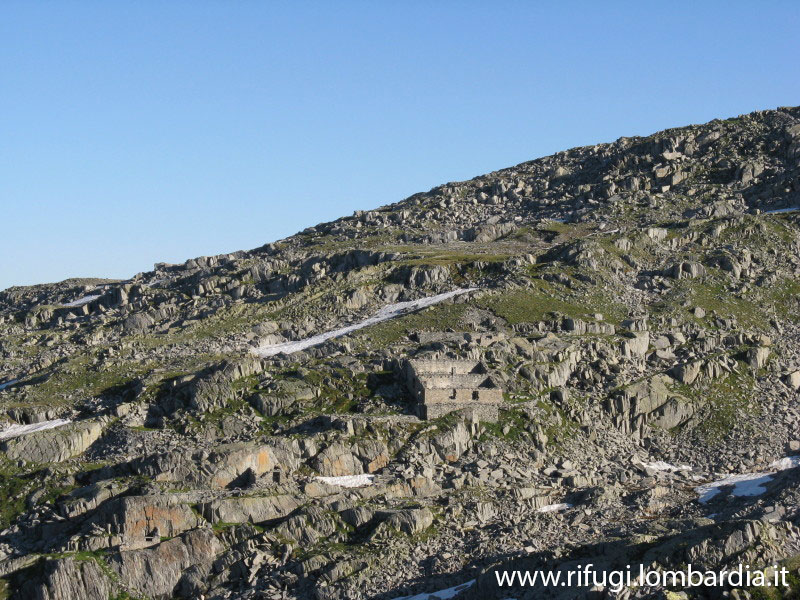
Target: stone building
[443,386]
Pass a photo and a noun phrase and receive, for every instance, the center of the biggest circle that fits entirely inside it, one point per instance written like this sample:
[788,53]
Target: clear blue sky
[137,132]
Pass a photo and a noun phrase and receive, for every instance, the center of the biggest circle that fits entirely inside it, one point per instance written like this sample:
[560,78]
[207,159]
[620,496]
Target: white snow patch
[787,462]
[660,465]
[81,301]
[782,210]
[553,508]
[350,481]
[13,430]
[746,484]
[441,594]
[387,312]
[8,384]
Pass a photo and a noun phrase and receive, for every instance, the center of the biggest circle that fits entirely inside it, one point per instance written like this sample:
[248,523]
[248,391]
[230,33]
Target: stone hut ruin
[443,386]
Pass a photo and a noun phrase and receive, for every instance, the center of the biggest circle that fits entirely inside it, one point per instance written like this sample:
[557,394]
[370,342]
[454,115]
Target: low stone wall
[450,381]
[471,410]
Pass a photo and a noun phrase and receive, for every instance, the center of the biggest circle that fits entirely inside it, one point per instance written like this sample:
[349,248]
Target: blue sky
[138,132]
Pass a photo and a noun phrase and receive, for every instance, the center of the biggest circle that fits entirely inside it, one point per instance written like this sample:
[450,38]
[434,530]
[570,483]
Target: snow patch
[13,430]
[349,481]
[660,465]
[8,384]
[746,484]
[553,508]
[384,314]
[441,594]
[81,301]
[787,462]
[782,210]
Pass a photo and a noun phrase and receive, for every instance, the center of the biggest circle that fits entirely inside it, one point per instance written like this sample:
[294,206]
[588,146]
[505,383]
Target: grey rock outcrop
[55,445]
[156,571]
[68,579]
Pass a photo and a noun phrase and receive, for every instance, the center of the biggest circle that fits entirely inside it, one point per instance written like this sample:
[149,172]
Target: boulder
[793,380]
[636,345]
[450,444]
[685,270]
[686,372]
[340,459]
[649,401]
[309,526]
[411,521]
[337,460]
[89,497]
[358,515]
[137,323]
[757,357]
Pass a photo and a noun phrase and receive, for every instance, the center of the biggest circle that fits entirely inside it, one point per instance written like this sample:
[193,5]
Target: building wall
[462,395]
[445,367]
[450,381]
[444,386]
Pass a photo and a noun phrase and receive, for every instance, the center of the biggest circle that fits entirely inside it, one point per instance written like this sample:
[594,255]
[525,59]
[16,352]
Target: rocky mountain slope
[638,301]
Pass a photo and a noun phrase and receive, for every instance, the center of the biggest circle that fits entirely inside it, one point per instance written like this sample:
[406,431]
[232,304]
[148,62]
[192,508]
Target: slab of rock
[411,521]
[636,345]
[252,509]
[337,460]
[143,520]
[224,467]
[232,461]
[154,572]
[55,445]
[67,579]
[89,497]
[685,270]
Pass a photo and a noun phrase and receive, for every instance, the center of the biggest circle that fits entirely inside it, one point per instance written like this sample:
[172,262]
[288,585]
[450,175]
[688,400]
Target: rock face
[411,521]
[592,357]
[249,509]
[228,465]
[55,445]
[143,520]
[233,461]
[649,402]
[339,460]
[156,571]
[68,578]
